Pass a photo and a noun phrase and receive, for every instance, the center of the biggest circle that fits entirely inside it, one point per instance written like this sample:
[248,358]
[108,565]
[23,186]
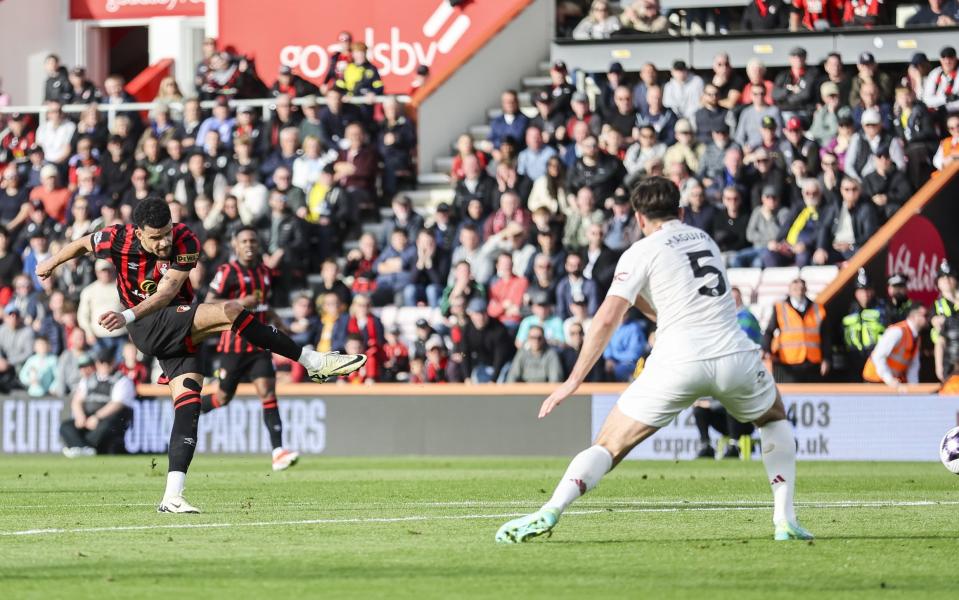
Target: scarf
[762,7]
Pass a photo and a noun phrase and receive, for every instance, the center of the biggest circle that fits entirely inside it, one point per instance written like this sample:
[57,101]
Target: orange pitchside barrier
[523,389]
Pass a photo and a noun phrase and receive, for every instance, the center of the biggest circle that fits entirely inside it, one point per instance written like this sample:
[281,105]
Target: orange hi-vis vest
[899,359]
[799,338]
[951,386]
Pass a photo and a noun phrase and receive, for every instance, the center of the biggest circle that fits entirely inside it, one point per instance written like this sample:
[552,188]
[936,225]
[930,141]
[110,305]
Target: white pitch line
[413,518]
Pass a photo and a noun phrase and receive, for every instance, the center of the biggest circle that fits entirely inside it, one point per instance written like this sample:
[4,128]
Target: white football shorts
[739,381]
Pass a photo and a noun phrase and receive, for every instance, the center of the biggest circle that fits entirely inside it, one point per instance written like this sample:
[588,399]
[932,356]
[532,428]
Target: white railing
[264,104]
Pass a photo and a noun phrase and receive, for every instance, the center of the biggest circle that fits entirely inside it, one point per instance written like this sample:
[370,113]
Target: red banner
[135,9]
[916,251]
[400,36]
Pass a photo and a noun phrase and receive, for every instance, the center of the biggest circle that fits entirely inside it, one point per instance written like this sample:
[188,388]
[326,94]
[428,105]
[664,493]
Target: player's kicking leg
[618,436]
[211,319]
[185,390]
[779,459]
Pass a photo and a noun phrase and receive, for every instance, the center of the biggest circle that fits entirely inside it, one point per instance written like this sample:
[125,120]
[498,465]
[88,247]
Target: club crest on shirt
[182,308]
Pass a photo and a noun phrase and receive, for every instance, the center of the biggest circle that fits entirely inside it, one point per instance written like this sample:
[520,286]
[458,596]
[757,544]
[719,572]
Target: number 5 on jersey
[701,270]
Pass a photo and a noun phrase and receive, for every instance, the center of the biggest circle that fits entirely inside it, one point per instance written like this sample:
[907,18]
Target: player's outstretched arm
[69,252]
[604,324]
[167,289]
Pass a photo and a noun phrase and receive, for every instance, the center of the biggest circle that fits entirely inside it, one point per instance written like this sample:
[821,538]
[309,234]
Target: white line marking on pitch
[360,520]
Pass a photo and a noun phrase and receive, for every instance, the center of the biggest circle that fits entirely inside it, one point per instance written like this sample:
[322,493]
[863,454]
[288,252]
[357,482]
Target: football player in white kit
[675,275]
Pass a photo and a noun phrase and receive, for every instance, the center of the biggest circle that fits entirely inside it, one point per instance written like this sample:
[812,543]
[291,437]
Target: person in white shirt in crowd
[532,161]
[863,146]
[55,134]
[308,166]
[942,84]
[100,297]
[251,195]
[599,24]
[683,93]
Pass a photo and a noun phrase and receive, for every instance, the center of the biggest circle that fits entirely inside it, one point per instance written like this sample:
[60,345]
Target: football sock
[779,458]
[582,475]
[210,402]
[175,481]
[265,336]
[702,422]
[271,418]
[186,417]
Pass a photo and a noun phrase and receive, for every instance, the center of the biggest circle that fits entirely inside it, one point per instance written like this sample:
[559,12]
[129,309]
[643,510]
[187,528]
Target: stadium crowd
[798,167]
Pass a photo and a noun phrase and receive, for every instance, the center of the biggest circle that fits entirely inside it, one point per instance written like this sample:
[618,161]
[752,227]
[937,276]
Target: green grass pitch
[423,528]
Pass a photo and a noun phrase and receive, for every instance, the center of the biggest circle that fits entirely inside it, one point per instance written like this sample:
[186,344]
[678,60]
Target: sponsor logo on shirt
[621,276]
[184,259]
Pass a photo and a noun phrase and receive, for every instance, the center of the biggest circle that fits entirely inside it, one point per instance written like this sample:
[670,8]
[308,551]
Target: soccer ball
[949,450]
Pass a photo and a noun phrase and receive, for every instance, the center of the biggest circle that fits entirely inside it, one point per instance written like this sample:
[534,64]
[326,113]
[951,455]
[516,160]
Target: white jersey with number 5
[678,270]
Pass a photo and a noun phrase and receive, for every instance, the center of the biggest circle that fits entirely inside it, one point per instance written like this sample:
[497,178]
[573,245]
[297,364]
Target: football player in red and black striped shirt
[153,258]
[247,280]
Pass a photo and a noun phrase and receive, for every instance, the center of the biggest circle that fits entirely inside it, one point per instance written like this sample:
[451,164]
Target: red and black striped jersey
[234,281]
[138,271]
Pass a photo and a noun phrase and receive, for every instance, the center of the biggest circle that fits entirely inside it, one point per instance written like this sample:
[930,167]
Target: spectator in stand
[339,58]
[360,77]
[15,141]
[621,116]
[57,81]
[283,155]
[866,13]
[506,293]
[870,72]
[535,362]
[711,116]
[396,145]
[39,371]
[469,251]
[797,238]
[948,151]
[730,224]
[765,170]
[199,179]
[289,84]
[357,170]
[534,158]
[38,224]
[541,279]
[913,123]
[942,85]
[847,226]
[686,149]
[131,367]
[595,169]
[81,90]
[549,190]
[571,350]
[796,146]
[825,121]
[251,196]
[334,119]
[396,356]
[751,118]
[575,287]
[100,412]
[303,324]
[644,16]
[766,15]
[648,77]
[95,299]
[727,82]
[394,269]
[684,91]
[510,211]
[661,118]
[332,331]
[73,364]
[486,347]
[794,90]
[643,153]
[360,321]
[580,113]
[511,124]
[542,316]
[721,164]
[796,340]
[763,229]
[404,217]
[220,121]
[463,286]
[475,184]
[816,15]
[369,372]
[627,345]
[55,135]
[585,214]
[916,74]
[599,259]
[308,165]
[886,186]
[16,345]
[863,147]
[442,228]
[756,76]
[599,24]
[699,213]
[869,100]
[284,240]
[560,93]
[49,192]
[943,13]
[429,273]
[464,148]
[437,361]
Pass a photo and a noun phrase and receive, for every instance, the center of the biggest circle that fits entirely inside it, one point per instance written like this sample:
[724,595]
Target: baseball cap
[771,190]
[105,356]
[862,280]
[102,264]
[476,305]
[539,297]
[683,126]
[945,270]
[897,279]
[768,122]
[882,150]
[84,360]
[870,116]
[722,128]
[423,70]
[798,51]
[867,58]
[616,67]
[48,171]
[620,199]
[423,324]
[680,65]
[919,58]
[245,109]
[15,116]
[443,207]
[829,88]
[844,116]
[793,124]
[10,309]
[947,52]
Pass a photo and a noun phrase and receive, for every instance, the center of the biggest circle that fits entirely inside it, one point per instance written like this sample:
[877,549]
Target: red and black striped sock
[210,402]
[271,418]
[265,336]
[183,438]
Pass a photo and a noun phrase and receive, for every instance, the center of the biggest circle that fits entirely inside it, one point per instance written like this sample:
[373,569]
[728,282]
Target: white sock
[779,458]
[582,475]
[306,356]
[175,481]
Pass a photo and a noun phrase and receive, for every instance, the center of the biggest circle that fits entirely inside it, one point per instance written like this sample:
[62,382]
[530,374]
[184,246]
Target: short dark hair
[249,228]
[152,212]
[656,198]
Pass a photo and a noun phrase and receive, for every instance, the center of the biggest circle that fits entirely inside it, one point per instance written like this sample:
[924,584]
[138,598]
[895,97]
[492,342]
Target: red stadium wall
[400,36]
